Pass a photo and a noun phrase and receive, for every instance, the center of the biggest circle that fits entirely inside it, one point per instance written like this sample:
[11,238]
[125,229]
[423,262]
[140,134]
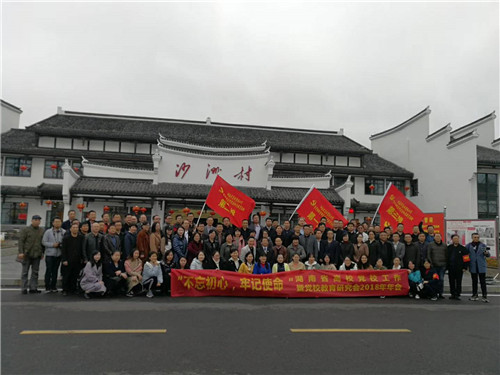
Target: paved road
[249,336]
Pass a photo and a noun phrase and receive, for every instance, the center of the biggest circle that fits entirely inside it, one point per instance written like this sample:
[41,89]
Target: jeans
[482,280]
[52,263]
[34,263]
[440,271]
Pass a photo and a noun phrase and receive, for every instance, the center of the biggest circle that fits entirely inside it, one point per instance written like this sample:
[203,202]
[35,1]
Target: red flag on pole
[395,208]
[228,201]
[315,206]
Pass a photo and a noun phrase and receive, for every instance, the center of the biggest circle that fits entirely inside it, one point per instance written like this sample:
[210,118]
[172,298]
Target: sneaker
[129,294]
[411,295]
[86,295]
[484,299]
[54,291]
[434,299]
[473,298]
[417,296]
[150,294]
[35,291]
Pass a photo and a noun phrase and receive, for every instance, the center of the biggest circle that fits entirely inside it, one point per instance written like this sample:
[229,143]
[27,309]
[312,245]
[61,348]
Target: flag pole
[201,213]
[376,212]
[302,201]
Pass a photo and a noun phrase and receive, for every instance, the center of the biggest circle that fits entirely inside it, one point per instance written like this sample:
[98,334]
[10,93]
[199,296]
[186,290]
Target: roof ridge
[474,122]
[426,110]
[197,122]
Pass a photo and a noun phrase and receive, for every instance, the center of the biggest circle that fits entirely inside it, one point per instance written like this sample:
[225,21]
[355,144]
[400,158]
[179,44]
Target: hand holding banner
[228,201]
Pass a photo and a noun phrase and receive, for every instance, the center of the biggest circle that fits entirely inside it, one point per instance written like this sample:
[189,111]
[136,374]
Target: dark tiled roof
[20,141]
[19,190]
[403,124]
[145,188]
[224,135]
[475,122]
[372,165]
[488,156]
[294,174]
[52,191]
[363,206]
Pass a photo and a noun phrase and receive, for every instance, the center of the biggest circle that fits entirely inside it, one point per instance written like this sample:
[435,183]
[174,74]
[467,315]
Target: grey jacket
[399,250]
[50,237]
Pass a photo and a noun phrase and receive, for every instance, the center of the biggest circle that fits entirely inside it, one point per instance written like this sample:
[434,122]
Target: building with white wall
[457,168]
[163,165]
[10,116]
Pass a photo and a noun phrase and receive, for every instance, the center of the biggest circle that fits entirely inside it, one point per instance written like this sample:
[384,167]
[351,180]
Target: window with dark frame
[53,169]
[374,186]
[14,213]
[487,195]
[18,167]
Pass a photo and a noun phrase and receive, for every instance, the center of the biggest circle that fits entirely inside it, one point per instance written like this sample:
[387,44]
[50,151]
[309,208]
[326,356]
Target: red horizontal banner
[318,283]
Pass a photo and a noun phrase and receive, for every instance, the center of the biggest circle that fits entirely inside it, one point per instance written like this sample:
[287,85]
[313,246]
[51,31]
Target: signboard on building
[487,230]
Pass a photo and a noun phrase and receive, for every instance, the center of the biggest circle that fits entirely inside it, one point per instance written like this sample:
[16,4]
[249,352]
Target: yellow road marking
[349,330]
[91,331]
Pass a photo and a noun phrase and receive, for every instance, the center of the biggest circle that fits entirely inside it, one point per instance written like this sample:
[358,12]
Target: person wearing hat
[30,253]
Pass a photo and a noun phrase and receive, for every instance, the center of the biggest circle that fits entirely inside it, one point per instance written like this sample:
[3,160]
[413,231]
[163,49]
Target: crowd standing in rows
[131,256]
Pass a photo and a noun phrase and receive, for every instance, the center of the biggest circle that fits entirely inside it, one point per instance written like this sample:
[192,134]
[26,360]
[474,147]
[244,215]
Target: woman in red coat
[194,247]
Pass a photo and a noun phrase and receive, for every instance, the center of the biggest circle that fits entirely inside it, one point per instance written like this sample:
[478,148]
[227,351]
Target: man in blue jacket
[478,254]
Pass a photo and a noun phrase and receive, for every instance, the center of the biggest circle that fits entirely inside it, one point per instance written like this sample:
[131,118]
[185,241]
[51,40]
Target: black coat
[386,252]
[230,265]
[346,250]
[332,249]
[374,250]
[72,249]
[209,248]
[455,260]
[269,254]
[412,253]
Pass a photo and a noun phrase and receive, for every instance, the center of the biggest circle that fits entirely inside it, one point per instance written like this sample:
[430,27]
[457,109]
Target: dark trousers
[482,280]
[440,285]
[34,264]
[70,276]
[52,267]
[115,284]
[455,278]
[413,288]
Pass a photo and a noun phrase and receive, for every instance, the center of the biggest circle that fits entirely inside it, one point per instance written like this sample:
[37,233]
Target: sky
[364,67]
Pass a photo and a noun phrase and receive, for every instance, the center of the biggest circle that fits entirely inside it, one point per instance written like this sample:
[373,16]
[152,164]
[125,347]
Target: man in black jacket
[456,262]
[386,250]
[71,256]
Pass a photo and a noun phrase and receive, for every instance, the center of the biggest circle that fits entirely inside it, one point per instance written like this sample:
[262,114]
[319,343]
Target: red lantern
[351,210]
[80,206]
[212,213]
[171,212]
[22,205]
[143,209]
[407,188]
[76,169]
[371,187]
[53,166]
[262,213]
[186,210]
[135,209]
[23,167]
[48,202]
[105,208]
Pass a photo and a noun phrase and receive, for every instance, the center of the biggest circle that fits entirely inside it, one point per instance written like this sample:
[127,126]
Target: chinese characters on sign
[182,170]
[291,284]
[212,171]
[243,175]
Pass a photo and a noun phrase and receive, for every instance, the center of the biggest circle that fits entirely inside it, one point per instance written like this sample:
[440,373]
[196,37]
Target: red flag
[395,208]
[228,201]
[315,206]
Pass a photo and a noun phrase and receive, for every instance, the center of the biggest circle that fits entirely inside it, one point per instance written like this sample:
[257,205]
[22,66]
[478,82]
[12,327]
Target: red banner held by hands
[228,201]
[315,206]
[395,208]
[317,283]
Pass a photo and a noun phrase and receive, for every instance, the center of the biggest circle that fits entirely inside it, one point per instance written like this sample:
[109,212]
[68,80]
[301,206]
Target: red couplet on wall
[318,283]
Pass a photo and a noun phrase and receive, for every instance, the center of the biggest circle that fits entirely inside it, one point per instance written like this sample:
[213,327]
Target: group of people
[131,256]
